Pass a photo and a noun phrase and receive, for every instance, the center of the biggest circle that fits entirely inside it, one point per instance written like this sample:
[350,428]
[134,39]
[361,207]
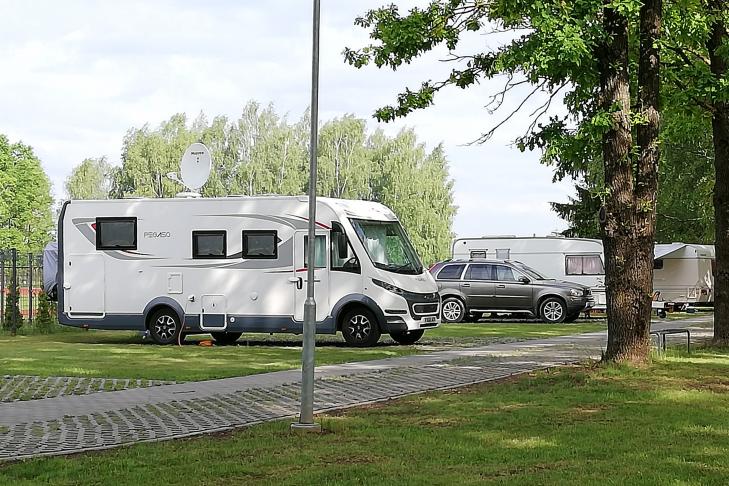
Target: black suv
[478,286]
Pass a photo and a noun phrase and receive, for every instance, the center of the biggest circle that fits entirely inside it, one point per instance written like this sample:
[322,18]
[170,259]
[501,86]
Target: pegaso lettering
[157,234]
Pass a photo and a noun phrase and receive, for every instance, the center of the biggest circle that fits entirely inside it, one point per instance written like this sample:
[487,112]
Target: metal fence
[24,272]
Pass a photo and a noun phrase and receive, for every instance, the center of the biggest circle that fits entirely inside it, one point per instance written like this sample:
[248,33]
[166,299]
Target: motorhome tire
[360,328]
[164,326]
[553,310]
[453,309]
[407,338]
[226,338]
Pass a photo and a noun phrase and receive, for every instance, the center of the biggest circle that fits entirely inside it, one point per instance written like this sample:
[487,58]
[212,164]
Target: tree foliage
[91,179]
[264,153]
[25,199]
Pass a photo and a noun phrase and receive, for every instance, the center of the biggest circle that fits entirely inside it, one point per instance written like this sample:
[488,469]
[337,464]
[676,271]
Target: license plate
[429,320]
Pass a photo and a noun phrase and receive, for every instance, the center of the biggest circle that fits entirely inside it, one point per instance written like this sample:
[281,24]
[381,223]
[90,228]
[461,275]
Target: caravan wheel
[164,326]
[226,338]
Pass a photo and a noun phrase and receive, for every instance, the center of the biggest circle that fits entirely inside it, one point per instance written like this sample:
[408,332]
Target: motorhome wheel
[407,337]
[164,326]
[226,338]
[360,328]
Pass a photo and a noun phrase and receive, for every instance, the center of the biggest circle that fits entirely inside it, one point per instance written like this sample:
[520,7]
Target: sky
[76,75]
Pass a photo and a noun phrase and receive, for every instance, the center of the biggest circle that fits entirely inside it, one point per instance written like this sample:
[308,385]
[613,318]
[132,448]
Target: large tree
[581,49]
[25,199]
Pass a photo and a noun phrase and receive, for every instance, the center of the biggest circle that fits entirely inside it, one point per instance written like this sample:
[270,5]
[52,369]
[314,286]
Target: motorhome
[578,260]
[231,265]
[683,273]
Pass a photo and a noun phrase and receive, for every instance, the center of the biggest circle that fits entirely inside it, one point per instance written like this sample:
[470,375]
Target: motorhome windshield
[530,271]
[388,246]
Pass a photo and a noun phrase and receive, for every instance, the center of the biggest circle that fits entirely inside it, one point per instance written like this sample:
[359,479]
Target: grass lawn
[113,354]
[664,424]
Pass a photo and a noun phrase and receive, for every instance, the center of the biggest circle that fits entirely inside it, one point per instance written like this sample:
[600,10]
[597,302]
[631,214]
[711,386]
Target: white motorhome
[578,260]
[683,273]
[238,264]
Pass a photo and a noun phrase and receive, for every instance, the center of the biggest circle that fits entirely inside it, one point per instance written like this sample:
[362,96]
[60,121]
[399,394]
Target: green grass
[663,424]
[114,354]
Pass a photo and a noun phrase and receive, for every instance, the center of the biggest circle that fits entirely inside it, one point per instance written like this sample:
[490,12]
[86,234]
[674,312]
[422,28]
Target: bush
[12,305]
[45,318]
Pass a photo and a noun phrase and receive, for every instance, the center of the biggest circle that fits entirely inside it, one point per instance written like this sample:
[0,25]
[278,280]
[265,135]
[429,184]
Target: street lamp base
[299,427]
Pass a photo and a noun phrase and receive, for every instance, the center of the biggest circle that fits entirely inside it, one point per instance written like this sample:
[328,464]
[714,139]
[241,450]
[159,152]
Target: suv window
[451,272]
[504,274]
[480,271]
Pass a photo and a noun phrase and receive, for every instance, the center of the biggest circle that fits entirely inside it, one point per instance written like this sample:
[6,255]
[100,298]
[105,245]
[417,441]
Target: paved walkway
[68,424]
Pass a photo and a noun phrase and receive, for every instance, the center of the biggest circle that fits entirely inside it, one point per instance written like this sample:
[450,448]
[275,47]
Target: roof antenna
[194,169]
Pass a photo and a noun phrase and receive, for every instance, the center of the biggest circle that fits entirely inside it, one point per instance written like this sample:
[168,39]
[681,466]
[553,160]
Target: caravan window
[584,265]
[478,253]
[208,244]
[658,264]
[502,254]
[260,244]
[116,233]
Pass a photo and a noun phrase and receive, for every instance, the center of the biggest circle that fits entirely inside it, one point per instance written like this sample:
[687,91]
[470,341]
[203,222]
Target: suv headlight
[387,286]
[576,292]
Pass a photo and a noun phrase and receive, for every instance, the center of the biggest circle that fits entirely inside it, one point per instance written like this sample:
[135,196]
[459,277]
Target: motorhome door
[321,274]
[83,285]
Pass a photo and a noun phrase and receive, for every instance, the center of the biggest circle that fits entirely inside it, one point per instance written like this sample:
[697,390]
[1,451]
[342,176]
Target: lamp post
[306,417]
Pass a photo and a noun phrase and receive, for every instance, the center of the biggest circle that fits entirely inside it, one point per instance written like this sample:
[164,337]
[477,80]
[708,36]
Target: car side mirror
[524,280]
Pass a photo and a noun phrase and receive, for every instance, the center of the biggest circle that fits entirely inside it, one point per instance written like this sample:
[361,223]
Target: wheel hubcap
[360,327]
[165,327]
[553,311]
[451,311]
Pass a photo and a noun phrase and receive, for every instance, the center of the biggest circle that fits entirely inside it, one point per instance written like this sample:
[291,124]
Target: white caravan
[683,273]
[578,260]
[238,264]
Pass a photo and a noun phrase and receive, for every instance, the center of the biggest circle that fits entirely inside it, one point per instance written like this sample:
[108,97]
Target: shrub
[12,305]
[45,318]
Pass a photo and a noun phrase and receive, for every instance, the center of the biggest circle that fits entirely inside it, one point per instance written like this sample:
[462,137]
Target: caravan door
[321,274]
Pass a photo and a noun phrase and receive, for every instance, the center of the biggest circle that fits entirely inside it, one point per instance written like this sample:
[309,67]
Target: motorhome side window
[658,264]
[116,233]
[208,244]
[584,265]
[342,255]
[260,244]
[320,253]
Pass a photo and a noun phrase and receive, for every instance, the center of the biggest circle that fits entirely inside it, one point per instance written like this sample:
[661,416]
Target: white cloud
[77,75]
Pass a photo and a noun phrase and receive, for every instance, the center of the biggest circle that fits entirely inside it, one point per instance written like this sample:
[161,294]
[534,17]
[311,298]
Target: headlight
[387,286]
[576,292]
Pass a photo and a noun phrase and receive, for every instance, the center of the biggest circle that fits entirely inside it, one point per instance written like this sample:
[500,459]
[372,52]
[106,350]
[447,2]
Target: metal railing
[21,274]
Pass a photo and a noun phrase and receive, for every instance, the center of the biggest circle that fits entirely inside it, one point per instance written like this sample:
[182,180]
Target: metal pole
[13,300]
[306,417]
[30,289]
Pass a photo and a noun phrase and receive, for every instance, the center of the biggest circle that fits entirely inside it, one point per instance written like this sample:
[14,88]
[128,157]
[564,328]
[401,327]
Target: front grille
[425,308]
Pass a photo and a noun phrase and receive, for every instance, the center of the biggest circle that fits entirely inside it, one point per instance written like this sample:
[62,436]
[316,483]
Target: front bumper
[423,312]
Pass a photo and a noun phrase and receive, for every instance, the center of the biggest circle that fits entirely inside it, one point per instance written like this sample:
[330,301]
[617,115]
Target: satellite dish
[195,166]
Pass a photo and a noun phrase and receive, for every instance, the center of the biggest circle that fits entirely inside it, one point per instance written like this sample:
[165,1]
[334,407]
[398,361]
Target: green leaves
[25,199]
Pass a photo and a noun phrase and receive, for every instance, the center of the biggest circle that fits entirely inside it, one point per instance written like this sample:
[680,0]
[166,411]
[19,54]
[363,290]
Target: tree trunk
[628,216]
[720,127]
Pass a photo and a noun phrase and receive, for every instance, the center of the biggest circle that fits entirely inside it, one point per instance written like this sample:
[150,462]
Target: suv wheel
[553,310]
[453,310]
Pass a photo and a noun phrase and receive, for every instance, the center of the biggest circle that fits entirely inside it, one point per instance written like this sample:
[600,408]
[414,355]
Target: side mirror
[524,280]
[342,247]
